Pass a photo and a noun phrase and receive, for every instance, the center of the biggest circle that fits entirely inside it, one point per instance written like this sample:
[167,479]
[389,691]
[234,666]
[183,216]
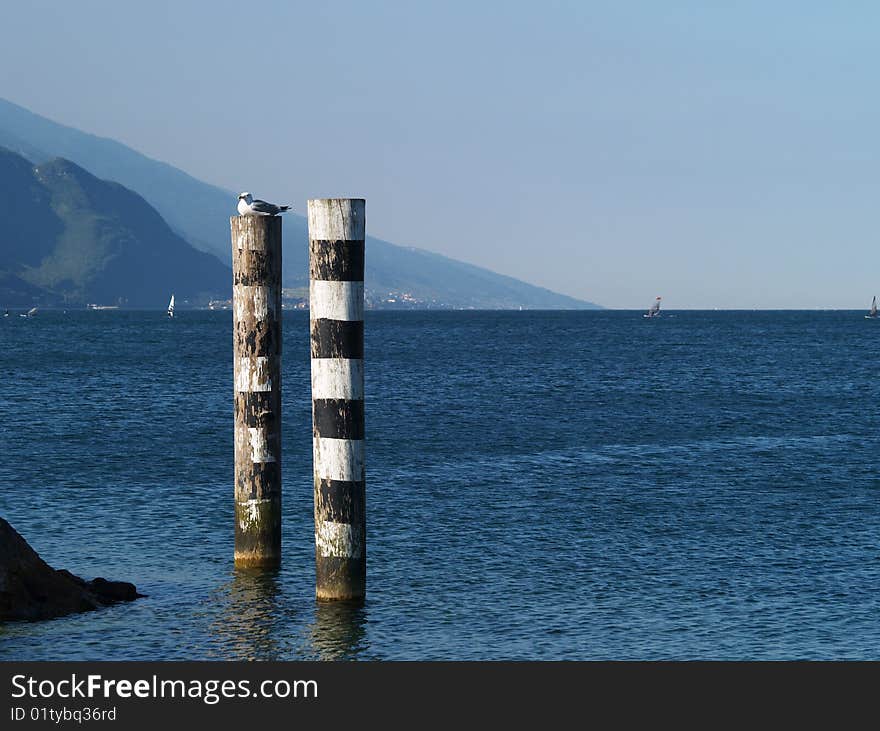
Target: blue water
[541,485]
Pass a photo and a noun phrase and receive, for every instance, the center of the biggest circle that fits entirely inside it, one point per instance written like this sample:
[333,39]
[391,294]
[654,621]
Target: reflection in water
[337,632]
[250,620]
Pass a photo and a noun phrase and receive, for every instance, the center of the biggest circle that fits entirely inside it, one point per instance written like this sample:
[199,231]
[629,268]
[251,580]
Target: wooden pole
[256,306]
[336,313]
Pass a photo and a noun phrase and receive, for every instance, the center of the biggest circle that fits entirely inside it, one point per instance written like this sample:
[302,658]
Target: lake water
[540,485]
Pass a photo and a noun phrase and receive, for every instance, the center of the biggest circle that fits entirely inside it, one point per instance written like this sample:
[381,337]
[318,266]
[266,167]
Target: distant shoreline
[598,311]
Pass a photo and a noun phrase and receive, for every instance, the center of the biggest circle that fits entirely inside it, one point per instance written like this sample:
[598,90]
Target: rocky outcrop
[30,589]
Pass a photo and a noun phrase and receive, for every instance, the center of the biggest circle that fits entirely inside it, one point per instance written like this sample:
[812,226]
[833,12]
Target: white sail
[874,307]
[171,307]
[654,310]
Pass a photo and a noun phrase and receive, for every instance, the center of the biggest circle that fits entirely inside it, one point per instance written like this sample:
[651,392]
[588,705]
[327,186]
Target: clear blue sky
[721,154]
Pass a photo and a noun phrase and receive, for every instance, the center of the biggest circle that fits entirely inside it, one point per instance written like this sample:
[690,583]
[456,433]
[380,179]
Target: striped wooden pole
[336,307]
[256,324]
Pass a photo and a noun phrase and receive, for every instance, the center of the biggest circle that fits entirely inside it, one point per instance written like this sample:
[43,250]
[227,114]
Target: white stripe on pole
[338,378]
[339,459]
[251,511]
[260,451]
[336,300]
[328,222]
[253,374]
[264,303]
[341,540]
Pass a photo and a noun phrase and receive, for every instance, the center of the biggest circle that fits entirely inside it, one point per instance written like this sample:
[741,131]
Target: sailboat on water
[654,310]
[171,307]
[872,313]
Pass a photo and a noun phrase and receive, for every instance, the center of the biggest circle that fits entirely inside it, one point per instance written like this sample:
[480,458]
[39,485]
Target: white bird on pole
[250,206]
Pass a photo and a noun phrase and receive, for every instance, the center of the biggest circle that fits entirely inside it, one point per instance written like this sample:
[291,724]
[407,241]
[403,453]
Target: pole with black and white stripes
[336,314]
[256,327]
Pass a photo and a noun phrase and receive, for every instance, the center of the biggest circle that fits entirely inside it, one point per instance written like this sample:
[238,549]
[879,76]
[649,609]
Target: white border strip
[252,374]
[260,452]
[249,513]
[261,297]
[338,378]
[328,220]
[336,300]
[247,237]
[340,540]
[338,459]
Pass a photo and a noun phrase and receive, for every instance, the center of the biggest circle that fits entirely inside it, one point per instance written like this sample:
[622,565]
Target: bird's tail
[281,209]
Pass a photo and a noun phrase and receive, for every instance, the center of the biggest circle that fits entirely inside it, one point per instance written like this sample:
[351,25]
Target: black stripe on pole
[261,340]
[266,473]
[337,261]
[337,418]
[258,409]
[337,338]
[341,499]
[259,271]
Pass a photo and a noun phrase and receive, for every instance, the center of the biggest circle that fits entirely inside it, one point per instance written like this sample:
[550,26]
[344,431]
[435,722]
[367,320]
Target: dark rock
[113,591]
[30,589]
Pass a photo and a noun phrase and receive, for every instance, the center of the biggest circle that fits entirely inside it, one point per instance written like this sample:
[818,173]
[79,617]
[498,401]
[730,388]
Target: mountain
[430,278]
[161,185]
[71,238]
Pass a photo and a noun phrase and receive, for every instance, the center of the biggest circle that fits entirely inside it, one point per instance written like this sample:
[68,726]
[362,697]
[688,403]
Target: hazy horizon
[724,158]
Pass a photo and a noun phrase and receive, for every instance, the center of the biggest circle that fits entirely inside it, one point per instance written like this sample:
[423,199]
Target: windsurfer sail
[654,310]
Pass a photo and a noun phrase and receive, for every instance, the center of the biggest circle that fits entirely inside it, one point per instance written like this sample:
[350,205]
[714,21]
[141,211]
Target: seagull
[248,206]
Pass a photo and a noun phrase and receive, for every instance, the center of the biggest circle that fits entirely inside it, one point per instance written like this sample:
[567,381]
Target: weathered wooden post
[256,324]
[336,313]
